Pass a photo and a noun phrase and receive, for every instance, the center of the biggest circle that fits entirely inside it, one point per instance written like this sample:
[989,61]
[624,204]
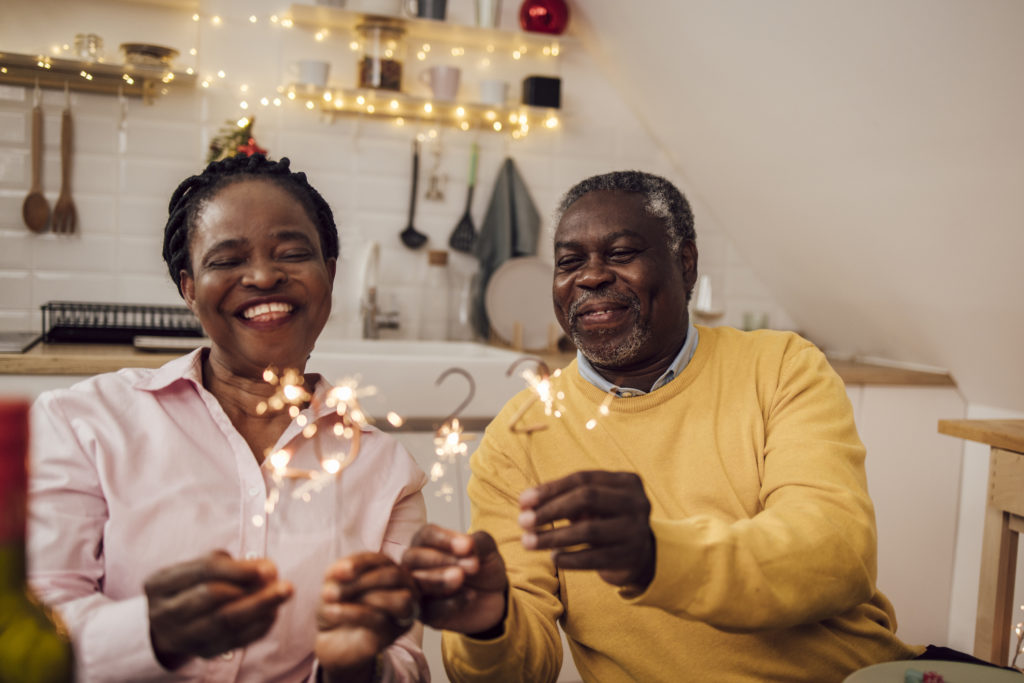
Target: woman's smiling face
[259,282]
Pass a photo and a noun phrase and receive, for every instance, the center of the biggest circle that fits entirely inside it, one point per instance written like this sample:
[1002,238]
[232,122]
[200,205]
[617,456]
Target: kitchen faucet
[374,319]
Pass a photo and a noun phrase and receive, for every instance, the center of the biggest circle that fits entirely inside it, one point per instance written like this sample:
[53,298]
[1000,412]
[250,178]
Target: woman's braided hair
[193,193]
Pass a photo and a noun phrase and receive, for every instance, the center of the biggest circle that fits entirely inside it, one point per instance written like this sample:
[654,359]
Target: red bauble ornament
[544,16]
[251,148]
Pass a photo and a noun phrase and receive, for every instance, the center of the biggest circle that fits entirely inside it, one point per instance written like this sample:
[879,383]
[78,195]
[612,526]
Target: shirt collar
[682,359]
[190,368]
[187,367]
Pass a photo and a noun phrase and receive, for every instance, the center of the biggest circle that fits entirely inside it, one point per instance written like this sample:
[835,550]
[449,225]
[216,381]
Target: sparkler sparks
[542,382]
[336,444]
[449,440]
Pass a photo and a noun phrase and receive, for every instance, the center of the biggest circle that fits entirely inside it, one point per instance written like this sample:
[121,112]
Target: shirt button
[227,656]
[253,491]
[251,555]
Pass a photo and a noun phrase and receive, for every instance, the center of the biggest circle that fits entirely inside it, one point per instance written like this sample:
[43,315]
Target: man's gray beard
[606,353]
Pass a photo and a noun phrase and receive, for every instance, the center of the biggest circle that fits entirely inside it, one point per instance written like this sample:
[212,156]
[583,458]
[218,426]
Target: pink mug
[443,82]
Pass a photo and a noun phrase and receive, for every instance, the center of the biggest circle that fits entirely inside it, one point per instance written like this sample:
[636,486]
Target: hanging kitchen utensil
[36,210]
[64,214]
[436,179]
[411,237]
[463,237]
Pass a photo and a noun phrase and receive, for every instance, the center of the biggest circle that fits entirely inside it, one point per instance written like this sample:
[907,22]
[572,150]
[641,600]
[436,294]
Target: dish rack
[79,322]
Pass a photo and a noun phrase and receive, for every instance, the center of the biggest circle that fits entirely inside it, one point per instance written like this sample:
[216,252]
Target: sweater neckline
[636,404]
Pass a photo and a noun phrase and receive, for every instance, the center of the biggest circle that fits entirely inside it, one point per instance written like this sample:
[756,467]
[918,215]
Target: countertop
[1006,434]
[90,359]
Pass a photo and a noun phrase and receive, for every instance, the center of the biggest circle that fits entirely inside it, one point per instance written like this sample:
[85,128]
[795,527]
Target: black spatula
[411,237]
[464,235]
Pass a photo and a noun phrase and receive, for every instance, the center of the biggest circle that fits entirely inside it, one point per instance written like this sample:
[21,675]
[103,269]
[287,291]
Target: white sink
[405,372]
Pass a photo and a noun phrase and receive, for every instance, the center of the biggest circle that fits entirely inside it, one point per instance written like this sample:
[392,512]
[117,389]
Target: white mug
[443,81]
[493,92]
[380,7]
[313,72]
[487,13]
[427,9]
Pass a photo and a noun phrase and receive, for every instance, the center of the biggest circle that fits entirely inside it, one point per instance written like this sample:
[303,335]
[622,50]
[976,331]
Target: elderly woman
[149,528]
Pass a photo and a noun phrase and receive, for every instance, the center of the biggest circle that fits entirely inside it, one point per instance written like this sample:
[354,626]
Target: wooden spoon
[36,210]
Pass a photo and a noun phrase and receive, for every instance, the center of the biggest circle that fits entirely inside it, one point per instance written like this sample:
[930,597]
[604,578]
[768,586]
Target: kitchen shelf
[400,106]
[132,80]
[389,104]
[321,16]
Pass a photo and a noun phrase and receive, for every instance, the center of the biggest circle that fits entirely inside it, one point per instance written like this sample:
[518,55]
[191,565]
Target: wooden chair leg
[995,588]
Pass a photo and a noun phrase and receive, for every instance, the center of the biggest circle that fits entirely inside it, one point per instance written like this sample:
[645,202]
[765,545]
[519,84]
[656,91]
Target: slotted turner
[463,237]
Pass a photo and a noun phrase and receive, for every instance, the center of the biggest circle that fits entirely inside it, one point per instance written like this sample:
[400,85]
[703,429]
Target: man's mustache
[628,300]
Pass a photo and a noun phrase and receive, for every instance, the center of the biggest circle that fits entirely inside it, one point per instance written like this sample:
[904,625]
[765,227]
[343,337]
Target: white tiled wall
[126,168]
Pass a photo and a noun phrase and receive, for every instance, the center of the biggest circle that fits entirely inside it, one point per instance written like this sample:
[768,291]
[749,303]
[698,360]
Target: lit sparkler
[543,383]
[344,425]
[450,443]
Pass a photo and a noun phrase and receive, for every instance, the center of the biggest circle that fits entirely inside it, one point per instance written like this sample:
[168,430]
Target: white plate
[952,672]
[520,291]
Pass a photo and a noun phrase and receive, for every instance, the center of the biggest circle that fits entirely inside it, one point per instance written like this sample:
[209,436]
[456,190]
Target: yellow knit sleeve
[810,551]
[531,648]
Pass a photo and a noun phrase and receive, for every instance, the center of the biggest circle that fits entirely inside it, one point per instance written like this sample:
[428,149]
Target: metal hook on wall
[469,397]
[543,374]
[542,368]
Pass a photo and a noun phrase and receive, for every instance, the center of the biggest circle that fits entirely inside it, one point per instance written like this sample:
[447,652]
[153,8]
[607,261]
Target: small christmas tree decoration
[234,138]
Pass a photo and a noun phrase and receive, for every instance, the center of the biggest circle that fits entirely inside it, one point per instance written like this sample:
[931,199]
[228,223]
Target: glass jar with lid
[382,51]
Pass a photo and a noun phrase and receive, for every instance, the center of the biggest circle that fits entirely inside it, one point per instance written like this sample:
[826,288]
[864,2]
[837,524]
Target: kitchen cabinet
[516,51]
[913,477]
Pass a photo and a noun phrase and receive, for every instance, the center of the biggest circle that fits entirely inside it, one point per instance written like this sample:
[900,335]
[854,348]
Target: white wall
[866,155]
[125,169]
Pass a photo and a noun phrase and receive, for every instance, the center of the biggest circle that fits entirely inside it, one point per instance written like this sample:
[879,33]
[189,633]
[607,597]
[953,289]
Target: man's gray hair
[662,199]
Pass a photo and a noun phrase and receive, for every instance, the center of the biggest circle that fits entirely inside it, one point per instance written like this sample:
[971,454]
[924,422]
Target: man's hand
[461,578]
[211,605]
[366,603]
[609,525]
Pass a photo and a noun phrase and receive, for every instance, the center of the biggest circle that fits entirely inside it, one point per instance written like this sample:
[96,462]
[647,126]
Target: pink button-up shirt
[137,470]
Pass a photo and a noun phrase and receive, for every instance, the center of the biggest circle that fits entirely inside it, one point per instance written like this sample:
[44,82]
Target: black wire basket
[79,322]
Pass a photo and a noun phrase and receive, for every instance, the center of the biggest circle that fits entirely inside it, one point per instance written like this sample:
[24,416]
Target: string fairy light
[329,101]
[461,115]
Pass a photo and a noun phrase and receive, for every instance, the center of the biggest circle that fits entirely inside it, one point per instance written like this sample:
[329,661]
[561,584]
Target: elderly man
[697,510]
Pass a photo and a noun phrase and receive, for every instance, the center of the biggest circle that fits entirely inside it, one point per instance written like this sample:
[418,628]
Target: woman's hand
[211,605]
[461,577]
[609,527]
[366,603]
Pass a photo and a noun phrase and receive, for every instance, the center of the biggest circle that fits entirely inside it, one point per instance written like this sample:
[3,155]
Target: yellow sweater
[765,534]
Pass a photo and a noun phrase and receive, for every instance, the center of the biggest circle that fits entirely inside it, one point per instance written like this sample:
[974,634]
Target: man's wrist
[496,631]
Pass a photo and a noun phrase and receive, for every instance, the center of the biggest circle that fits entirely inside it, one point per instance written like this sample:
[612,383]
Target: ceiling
[866,156]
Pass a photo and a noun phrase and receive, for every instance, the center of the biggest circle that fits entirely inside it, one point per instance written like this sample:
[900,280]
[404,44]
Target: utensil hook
[466,401]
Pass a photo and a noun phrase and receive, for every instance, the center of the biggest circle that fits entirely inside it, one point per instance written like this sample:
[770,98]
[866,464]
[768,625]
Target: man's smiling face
[619,291]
